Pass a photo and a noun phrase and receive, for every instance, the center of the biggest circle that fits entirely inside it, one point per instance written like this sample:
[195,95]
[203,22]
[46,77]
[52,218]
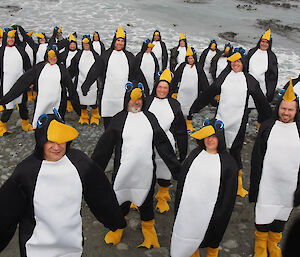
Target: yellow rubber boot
[69,106]
[212,252]
[95,116]
[260,249]
[3,129]
[26,126]
[189,125]
[162,197]
[134,207]
[113,238]
[1,108]
[196,254]
[241,191]
[84,117]
[273,248]
[150,236]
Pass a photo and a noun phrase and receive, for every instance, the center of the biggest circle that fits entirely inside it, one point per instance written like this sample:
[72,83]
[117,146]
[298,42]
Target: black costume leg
[106,122]
[6,115]
[164,182]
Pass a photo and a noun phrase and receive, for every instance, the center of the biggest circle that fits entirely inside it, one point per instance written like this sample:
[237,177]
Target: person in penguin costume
[206,58]
[262,65]
[98,45]
[169,115]
[275,164]
[115,67]
[147,62]
[13,62]
[58,39]
[296,85]
[80,66]
[133,134]
[66,57]
[208,178]
[219,61]
[52,81]
[189,82]
[178,53]
[234,85]
[160,50]
[43,196]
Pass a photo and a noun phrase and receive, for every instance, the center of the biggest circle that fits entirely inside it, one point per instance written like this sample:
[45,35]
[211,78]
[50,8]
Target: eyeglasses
[42,120]
[53,47]
[217,125]
[129,86]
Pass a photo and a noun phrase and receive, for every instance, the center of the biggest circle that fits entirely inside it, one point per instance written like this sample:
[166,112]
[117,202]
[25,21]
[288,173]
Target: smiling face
[10,41]
[237,66]
[264,45]
[287,111]
[190,60]
[135,106]
[119,45]
[52,60]
[72,46]
[54,152]
[162,89]
[211,144]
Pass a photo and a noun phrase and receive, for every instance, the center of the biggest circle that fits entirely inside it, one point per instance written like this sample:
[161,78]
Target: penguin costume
[160,50]
[206,58]
[44,197]
[57,39]
[189,82]
[133,134]
[1,36]
[51,82]
[275,175]
[13,62]
[178,53]
[98,45]
[234,88]
[147,62]
[205,195]
[263,66]
[296,85]
[169,115]
[219,61]
[115,68]
[80,66]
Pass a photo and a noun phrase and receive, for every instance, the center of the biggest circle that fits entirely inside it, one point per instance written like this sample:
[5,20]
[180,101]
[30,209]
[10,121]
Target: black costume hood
[158,35]
[115,39]
[270,43]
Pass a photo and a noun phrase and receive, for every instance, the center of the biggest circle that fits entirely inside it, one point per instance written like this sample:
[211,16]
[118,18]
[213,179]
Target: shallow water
[200,22]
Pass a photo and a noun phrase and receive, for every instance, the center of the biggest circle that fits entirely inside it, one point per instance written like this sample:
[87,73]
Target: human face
[86,46]
[72,46]
[191,60]
[42,40]
[182,43]
[135,106]
[156,38]
[52,60]
[264,45]
[59,35]
[96,38]
[237,66]
[10,41]
[148,50]
[119,45]
[162,89]
[54,152]
[211,144]
[287,111]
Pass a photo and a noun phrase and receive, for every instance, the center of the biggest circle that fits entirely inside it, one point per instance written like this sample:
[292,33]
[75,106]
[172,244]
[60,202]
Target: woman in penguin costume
[234,85]
[13,62]
[50,223]
[205,195]
[115,67]
[132,135]
[169,115]
[189,82]
[206,58]
[51,80]
[178,53]
[98,45]
[275,173]
[219,61]
[296,85]
[262,65]
[160,50]
[79,68]
[148,64]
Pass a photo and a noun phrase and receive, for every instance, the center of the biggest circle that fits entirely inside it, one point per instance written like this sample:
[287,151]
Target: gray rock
[231,244]
[133,224]
[122,247]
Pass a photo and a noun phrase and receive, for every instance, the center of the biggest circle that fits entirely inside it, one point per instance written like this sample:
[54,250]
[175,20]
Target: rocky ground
[237,242]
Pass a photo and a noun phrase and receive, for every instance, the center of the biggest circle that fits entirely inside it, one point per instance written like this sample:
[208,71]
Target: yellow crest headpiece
[189,51]
[182,36]
[59,132]
[96,34]
[204,132]
[51,54]
[120,33]
[227,49]
[151,45]
[60,29]
[267,35]
[136,94]
[166,75]
[234,57]
[72,38]
[85,40]
[11,33]
[289,95]
[1,32]
[156,33]
[40,35]
[30,33]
